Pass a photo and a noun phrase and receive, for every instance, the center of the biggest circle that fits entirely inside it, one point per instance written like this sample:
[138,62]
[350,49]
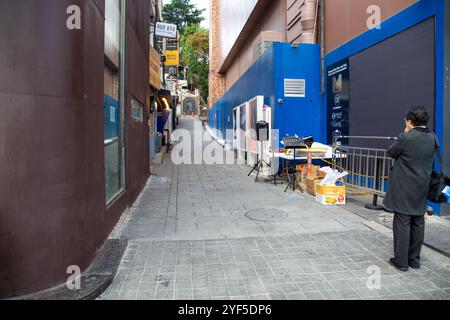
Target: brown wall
[293,21]
[344,20]
[52,193]
[273,19]
[228,20]
[137,66]
[347,19]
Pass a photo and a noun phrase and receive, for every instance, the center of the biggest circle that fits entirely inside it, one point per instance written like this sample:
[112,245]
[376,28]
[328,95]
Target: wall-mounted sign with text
[338,100]
[155,69]
[166,30]
[172,58]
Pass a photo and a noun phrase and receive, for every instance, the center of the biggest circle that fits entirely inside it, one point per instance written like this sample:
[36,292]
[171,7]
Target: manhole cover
[267,215]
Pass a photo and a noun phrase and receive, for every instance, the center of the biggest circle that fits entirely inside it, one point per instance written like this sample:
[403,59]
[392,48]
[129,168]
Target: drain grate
[267,215]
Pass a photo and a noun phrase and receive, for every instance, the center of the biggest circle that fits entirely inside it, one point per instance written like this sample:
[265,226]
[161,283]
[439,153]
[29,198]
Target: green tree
[195,56]
[194,43]
[182,13]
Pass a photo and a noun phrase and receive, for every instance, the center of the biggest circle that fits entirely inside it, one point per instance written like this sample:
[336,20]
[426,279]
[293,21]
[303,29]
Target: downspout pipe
[322,43]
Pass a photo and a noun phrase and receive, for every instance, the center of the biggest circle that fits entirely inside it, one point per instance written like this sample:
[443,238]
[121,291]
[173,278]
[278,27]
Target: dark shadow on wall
[388,79]
[446,135]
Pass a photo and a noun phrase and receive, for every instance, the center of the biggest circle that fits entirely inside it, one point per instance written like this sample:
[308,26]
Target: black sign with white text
[338,99]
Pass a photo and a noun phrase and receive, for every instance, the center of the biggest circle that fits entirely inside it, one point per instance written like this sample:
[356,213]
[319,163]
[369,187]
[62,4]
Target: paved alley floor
[211,232]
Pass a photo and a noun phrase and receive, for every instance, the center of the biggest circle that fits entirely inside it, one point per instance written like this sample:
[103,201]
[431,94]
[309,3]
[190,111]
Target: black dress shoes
[394,264]
[414,265]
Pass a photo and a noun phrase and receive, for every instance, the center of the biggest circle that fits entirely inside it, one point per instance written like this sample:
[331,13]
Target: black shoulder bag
[438,181]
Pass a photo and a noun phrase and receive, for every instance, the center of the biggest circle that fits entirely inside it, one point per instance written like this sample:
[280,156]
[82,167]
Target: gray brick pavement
[287,276]
[189,238]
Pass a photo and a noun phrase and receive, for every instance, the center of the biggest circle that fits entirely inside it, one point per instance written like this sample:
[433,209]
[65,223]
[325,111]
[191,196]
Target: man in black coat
[409,184]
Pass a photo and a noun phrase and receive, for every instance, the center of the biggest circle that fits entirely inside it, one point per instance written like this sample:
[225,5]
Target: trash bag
[332,176]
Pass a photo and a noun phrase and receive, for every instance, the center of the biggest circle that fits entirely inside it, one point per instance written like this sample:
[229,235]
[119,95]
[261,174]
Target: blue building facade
[290,115]
[403,63]
[432,15]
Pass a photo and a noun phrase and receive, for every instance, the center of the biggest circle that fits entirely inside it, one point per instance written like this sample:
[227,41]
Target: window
[113,100]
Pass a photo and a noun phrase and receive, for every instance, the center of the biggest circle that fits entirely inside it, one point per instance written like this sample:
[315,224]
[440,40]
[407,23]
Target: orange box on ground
[331,195]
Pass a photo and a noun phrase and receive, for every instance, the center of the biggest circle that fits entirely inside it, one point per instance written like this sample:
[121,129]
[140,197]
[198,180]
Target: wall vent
[295,88]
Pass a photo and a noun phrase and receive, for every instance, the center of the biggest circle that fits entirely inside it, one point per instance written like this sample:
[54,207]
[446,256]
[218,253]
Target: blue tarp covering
[162,120]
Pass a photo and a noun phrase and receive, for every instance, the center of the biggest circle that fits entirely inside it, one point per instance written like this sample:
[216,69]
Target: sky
[201,4]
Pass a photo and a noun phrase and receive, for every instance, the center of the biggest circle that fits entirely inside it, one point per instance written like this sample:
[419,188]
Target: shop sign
[155,69]
[171,45]
[166,30]
[172,58]
[338,99]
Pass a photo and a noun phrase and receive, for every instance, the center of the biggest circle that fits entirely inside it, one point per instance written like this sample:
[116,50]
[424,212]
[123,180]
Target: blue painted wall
[258,80]
[162,120]
[299,116]
[309,116]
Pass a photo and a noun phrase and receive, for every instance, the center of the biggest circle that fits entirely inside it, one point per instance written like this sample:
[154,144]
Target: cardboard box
[331,195]
[311,186]
[301,181]
[315,173]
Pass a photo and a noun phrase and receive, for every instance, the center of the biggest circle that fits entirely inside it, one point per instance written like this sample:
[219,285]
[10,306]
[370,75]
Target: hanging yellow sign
[172,58]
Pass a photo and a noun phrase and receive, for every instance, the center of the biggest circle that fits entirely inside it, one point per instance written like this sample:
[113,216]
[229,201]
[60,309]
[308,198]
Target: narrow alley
[211,232]
[188,150]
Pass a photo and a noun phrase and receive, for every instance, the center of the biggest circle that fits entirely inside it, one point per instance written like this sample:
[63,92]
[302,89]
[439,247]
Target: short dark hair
[418,115]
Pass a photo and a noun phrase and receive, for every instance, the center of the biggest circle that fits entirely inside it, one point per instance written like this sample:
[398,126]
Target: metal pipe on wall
[446,135]
[322,43]
[123,100]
